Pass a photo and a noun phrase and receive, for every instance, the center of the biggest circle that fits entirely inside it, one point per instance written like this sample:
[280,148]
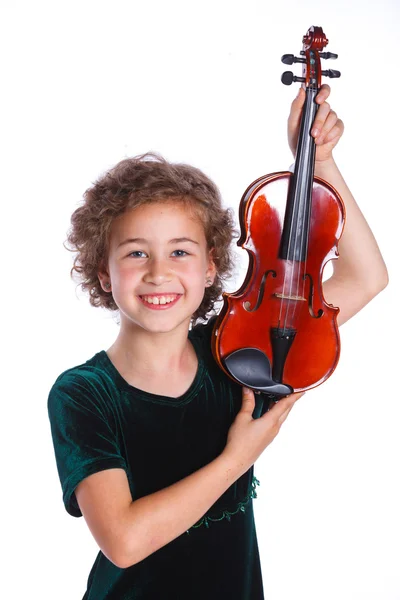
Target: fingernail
[315,132]
[246,390]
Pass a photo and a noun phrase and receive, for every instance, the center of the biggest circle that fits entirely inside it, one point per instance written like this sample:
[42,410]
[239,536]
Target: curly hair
[141,180]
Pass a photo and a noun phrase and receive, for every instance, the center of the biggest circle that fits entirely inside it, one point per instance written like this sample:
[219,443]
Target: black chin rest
[251,367]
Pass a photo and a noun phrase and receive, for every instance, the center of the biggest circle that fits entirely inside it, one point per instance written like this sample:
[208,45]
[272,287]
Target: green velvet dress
[98,421]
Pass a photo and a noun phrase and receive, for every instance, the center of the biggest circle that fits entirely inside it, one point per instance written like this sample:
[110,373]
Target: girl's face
[158,265]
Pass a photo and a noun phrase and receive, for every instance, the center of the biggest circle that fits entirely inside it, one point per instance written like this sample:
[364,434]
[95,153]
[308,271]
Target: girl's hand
[248,437]
[327,129]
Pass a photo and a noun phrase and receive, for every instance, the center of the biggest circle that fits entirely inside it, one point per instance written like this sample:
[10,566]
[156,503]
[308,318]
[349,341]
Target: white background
[85,84]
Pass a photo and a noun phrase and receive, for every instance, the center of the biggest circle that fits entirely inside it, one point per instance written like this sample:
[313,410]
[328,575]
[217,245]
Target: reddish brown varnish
[315,351]
[290,225]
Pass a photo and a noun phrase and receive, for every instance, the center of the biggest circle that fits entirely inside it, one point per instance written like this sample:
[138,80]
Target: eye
[179,253]
[137,254]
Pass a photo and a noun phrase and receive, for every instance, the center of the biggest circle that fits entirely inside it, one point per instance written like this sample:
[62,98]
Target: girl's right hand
[248,437]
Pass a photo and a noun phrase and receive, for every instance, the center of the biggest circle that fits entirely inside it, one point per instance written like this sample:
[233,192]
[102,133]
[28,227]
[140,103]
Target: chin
[164,325]
[167,327]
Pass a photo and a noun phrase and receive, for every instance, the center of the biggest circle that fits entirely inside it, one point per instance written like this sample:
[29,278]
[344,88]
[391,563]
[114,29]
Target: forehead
[158,221]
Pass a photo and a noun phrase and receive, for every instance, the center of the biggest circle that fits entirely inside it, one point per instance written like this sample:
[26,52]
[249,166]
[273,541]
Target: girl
[155,446]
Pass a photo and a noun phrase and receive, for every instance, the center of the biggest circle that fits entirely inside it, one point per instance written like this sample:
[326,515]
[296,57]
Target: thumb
[297,105]
[295,118]
[248,400]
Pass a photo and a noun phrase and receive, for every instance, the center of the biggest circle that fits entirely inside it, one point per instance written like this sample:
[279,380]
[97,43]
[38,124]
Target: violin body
[248,315]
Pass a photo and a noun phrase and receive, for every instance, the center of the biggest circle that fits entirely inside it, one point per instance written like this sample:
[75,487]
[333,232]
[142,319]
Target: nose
[158,272]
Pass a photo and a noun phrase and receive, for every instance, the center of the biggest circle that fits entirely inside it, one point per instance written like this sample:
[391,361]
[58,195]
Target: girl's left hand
[327,129]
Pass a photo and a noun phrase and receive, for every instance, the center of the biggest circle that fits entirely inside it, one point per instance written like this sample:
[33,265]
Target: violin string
[310,157]
[287,292]
[300,201]
[301,267]
[293,240]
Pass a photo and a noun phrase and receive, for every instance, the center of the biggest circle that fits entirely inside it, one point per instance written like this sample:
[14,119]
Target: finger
[283,405]
[297,104]
[336,132]
[329,124]
[332,137]
[320,119]
[323,93]
[328,147]
[284,416]
[331,141]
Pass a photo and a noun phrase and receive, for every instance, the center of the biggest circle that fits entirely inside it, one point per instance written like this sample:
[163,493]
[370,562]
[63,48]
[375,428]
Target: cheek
[126,268]
[194,271]
[124,276]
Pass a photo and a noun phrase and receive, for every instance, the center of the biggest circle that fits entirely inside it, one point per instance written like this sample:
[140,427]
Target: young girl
[154,445]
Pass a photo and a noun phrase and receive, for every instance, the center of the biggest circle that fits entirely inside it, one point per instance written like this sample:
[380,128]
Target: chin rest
[251,367]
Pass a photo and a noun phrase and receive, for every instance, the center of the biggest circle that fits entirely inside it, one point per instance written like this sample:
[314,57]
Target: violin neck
[305,153]
[294,241]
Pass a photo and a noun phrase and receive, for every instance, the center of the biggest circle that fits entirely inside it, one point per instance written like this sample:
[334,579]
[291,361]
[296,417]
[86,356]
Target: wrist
[322,167]
[232,466]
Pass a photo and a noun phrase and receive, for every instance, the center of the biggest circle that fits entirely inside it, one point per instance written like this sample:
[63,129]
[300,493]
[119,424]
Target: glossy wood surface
[315,351]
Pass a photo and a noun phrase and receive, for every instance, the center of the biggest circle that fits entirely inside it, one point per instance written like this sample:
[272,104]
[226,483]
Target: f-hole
[311,299]
[247,305]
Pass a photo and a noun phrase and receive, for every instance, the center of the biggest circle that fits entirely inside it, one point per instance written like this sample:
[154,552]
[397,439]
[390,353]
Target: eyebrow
[144,241]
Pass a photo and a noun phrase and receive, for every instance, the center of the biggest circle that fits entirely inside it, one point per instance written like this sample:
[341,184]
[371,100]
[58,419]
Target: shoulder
[202,337]
[85,385]
[203,331]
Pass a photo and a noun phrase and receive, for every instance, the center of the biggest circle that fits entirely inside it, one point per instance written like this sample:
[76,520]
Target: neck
[294,242]
[152,353]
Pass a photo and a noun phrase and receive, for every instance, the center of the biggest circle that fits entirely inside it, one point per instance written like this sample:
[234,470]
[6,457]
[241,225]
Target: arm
[128,531]
[359,273]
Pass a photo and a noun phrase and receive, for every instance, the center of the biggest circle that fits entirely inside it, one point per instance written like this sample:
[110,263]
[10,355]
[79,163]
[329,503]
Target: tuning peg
[328,55]
[288,78]
[289,59]
[331,73]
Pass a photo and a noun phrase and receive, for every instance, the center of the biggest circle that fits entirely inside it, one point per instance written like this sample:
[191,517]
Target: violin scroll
[313,42]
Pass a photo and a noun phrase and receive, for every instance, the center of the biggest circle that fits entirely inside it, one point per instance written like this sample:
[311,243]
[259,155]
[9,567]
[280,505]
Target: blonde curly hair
[141,180]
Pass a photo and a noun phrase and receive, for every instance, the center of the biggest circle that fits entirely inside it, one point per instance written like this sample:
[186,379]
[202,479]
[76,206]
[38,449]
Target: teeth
[158,299]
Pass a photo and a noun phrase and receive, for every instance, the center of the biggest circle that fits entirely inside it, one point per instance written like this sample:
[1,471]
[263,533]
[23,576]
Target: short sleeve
[83,432]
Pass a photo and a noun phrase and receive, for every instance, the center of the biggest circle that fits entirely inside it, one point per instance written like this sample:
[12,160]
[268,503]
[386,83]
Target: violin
[277,334]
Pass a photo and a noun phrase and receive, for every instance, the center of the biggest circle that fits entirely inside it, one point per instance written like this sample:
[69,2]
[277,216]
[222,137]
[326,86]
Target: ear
[211,269]
[104,279]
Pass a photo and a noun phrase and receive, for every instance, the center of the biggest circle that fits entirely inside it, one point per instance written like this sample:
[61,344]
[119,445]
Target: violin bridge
[286,297]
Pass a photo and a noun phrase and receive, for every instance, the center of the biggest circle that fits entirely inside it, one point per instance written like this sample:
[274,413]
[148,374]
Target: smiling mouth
[159,301]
